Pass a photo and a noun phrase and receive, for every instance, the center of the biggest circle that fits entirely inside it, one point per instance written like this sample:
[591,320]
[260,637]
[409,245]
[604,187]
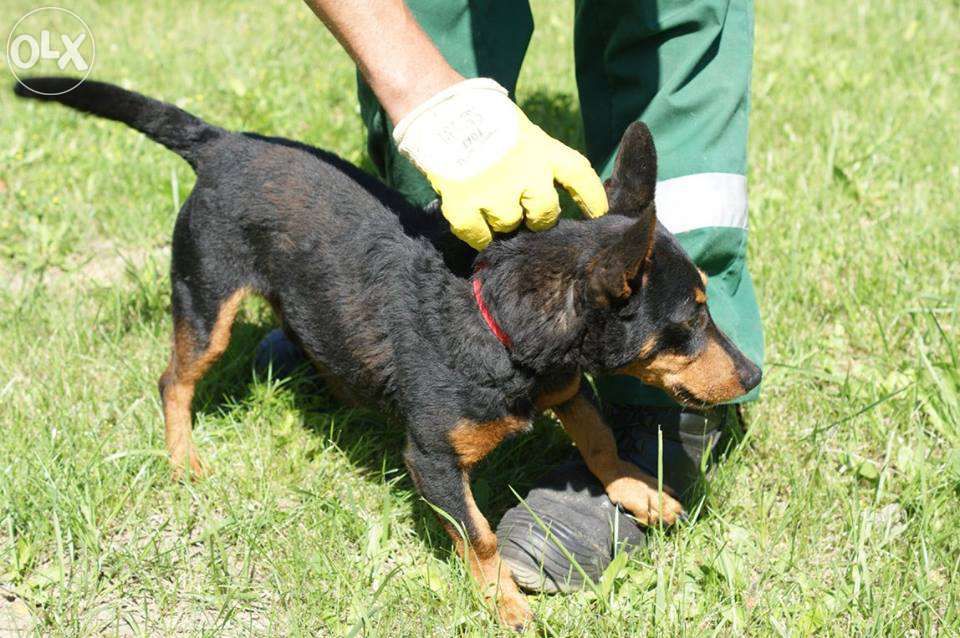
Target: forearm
[395,56]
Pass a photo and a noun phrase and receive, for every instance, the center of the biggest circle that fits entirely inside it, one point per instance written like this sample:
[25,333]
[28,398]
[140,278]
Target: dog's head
[645,301]
[618,294]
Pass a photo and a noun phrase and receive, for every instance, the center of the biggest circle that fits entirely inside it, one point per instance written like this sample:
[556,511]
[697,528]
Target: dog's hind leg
[201,333]
[440,472]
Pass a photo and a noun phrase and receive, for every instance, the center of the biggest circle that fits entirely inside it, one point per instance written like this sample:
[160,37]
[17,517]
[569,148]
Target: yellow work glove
[491,166]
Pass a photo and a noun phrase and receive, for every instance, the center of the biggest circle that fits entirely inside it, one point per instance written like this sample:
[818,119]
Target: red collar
[495,328]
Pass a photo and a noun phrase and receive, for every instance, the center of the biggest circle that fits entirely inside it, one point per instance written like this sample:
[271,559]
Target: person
[435,81]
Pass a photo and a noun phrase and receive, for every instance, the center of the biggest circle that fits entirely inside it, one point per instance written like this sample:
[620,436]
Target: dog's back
[329,245]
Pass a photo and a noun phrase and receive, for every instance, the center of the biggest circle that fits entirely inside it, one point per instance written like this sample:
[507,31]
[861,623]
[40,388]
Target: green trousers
[681,66]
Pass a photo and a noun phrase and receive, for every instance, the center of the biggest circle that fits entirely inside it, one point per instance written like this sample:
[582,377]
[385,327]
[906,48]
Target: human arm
[396,58]
[491,166]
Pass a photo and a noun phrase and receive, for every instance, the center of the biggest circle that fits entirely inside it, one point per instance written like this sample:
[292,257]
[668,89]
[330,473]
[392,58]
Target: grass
[837,516]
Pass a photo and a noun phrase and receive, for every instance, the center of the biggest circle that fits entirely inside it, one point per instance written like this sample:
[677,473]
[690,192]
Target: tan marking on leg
[472,441]
[186,368]
[624,482]
[700,295]
[487,568]
[557,396]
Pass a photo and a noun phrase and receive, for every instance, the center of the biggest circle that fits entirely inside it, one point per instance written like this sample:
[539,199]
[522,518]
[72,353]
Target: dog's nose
[750,375]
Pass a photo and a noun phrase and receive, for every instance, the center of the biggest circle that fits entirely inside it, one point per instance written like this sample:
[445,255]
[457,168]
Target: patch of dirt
[100,264]
[16,618]
[131,609]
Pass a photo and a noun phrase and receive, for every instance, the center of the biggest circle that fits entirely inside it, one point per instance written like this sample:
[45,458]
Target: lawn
[838,515]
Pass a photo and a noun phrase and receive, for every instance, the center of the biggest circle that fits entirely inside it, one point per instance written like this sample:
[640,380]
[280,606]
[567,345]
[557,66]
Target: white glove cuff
[460,131]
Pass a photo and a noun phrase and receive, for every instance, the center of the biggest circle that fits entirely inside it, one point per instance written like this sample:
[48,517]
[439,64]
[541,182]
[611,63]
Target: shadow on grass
[374,442]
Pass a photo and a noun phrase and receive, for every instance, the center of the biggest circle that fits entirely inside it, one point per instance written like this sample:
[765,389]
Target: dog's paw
[514,611]
[189,464]
[643,500]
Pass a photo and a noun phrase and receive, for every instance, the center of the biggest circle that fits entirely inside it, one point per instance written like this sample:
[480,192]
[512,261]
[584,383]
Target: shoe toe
[567,518]
[278,355]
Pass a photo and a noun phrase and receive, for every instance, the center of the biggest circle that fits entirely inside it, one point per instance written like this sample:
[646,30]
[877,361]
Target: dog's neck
[530,286]
[540,333]
[466,336]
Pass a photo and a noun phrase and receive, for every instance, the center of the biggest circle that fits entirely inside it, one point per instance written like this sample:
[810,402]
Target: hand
[491,166]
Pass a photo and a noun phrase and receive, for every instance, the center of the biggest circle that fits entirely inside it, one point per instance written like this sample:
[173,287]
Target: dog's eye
[695,322]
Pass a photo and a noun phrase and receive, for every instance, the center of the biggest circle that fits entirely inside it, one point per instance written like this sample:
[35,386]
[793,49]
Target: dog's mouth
[677,390]
[678,376]
[686,398]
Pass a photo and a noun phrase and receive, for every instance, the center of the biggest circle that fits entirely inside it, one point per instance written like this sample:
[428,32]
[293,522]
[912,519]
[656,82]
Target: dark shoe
[571,503]
[279,356]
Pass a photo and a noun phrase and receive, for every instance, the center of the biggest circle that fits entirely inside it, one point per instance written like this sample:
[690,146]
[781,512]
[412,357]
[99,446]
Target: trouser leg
[683,67]
[479,38]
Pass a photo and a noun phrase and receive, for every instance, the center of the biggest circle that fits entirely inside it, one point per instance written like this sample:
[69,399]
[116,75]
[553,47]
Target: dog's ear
[634,179]
[612,273]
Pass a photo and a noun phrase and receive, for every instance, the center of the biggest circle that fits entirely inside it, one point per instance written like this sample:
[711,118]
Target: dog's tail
[176,129]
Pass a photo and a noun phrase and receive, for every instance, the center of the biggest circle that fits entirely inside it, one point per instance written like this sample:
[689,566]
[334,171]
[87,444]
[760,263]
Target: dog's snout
[750,376]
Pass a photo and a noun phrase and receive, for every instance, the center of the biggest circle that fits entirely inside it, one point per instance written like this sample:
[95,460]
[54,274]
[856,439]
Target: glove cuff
[450,93]
[460,132]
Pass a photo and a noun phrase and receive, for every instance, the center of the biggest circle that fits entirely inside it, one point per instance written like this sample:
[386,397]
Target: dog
[359,278]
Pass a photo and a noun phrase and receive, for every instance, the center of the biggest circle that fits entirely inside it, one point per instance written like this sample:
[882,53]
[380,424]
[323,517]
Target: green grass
[837,516]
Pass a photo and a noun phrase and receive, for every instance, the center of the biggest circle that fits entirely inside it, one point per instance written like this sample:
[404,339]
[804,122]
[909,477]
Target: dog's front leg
[624,482]
[440,473]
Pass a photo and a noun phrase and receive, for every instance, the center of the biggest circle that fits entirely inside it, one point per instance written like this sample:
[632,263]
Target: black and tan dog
[357,276]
